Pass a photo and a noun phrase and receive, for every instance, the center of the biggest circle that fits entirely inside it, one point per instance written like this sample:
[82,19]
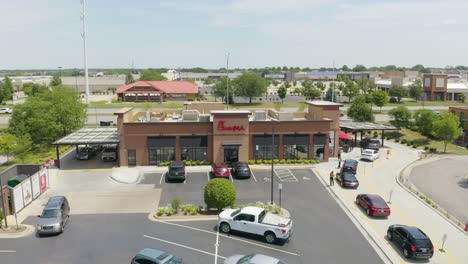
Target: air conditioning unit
[190,115]
[204,118]
[285,116]
[260,115]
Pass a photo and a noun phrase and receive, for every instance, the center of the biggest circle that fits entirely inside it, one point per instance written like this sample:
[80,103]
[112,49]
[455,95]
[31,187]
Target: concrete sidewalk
[379,177]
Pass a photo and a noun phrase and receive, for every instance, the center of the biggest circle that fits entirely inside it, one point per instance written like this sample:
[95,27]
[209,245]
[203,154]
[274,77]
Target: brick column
[326,151]
[311,147]
[177,148]
[280,147]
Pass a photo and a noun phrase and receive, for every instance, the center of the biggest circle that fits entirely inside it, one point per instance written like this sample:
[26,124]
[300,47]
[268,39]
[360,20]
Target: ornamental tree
[447,129]
[219,193]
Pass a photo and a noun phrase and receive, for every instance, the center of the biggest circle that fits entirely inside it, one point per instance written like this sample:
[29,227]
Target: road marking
[208,175]
[253,175]
[180,245]
[186,177]
[7,251]
[230,237]
[162,176]
[230,177]
[266,179]
[285,175]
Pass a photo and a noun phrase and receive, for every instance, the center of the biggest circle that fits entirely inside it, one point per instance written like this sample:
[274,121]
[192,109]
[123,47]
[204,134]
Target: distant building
[462,113]
[158,91]
[19,81]
[198,76]
[96,83]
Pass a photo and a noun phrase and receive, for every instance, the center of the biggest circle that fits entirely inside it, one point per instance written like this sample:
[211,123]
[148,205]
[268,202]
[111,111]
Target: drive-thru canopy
[351,126]
[88,136]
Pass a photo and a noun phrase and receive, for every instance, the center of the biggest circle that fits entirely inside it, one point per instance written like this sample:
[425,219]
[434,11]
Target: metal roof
[350,125]
[90,135]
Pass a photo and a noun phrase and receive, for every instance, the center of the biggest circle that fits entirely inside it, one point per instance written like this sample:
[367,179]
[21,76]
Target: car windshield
[177,169]
[349,177]
[245,259]
[235,212]
[50,213]
[242,167]
[380,203]
[368,152]
[175,260]
[221,169]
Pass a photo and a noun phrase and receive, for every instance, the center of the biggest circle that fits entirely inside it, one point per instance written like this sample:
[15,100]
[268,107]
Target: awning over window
[343,135]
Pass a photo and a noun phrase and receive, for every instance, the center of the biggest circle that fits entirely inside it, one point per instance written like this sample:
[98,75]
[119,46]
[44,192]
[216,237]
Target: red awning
[343,135]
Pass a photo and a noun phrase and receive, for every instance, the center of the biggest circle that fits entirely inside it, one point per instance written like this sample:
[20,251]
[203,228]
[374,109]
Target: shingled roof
[169,87]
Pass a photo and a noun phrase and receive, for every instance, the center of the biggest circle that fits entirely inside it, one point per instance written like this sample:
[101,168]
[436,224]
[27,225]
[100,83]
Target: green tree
[424,119]
[282,91]
[350,90]
[219,90]
[379,98]
[152,75]
[320,85]
[209,81]
[249,85]
[398,92]
[56,81]
[309,91]
[363,84]
[359,68]
[23,146]
[8,144]
[447,129]
[7,89]
[330,95]
[129,78]
[416,90]
[359,111]
[401,116]
[32,89]
[345,68]
[219,193]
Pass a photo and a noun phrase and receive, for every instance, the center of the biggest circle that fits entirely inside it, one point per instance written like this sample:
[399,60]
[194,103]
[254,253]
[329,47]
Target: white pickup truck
[255,220]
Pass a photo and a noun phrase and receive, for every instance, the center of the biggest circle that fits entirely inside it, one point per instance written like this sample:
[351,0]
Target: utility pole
[227,81]
[83,36]
[272,157]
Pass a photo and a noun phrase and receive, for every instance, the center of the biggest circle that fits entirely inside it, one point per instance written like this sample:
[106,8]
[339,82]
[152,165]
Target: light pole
[272,157]
[83,36]
[227,81]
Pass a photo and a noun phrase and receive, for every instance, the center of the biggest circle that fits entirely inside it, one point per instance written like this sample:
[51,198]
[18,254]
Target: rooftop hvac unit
[285,116]
[260,115]
[190,115]
[204,118]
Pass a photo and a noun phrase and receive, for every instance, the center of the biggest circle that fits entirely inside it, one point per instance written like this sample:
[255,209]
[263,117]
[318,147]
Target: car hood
[48,221]
[226,213]
[233,259]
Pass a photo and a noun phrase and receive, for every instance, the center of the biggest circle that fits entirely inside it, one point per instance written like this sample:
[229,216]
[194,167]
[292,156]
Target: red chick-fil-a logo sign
[222,127]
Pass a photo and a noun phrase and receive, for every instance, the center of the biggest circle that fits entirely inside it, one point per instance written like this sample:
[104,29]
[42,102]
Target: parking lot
[320,225]
[69,162]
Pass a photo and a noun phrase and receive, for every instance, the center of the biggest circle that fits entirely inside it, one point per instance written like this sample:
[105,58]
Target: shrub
[376,134]
[219,193]
[307,161]
[403,141]
[176,203]
[276,209]
[169,211]
[161,211]
[393,100]
[397,140]
[251,162]
[426,148]
[276,161]
[414,128]
[432,149]
[188,163]
[259,161]
[414,145]
[282,161]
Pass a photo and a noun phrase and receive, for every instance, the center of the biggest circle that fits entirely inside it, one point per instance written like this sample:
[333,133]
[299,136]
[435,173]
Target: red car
[373,204]
[220,170]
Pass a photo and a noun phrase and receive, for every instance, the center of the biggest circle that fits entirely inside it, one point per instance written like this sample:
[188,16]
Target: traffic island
[16,231]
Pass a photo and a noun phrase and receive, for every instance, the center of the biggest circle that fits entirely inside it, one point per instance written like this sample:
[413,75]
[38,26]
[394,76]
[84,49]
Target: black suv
[370,143]
[349,166]
[176,171]
[413,241]
[241,170]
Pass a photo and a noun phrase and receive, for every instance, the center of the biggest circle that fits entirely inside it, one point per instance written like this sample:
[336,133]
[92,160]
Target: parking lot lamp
[272,157]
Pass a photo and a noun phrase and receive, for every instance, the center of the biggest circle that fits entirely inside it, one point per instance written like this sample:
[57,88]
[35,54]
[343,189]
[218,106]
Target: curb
[29,230]
[356,220]
[406,171]
[185,218]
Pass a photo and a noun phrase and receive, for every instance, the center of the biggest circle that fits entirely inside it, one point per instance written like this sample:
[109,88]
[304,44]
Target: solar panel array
[90,135]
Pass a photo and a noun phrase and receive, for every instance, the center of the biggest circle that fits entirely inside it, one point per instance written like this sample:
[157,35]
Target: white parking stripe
[208,175]
[7,251]
[285,175]
[230,237]
[180,245]
[253,175]
[186,177]
[162,176]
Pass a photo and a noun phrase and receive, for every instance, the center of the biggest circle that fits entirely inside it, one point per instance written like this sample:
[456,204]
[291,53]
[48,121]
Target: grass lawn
[36,157]
[409,135]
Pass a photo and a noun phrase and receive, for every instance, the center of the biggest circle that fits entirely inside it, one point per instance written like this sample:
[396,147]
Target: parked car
[414,242]
[347,179]
[220,170]
[370,143]
[85,153]
[155,256]
[252,259]
[255,220]
[373,204]
[6,110]
[241,170]
[176,171]
[349,166]
[370,154]
[110,153]
[54,217]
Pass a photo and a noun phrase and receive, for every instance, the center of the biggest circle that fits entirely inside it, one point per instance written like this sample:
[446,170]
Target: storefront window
[131,157]
[194,148]
[262,147]
[160,149]
[296,146]
[319,146]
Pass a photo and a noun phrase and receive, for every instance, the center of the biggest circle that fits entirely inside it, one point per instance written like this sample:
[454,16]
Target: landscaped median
[14,231]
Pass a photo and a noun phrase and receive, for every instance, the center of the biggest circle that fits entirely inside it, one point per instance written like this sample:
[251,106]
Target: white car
[255,220]
[370,154]
[6,111]
[252,259]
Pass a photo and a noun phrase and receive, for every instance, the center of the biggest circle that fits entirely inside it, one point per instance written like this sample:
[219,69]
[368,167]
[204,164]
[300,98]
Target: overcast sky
[257,33]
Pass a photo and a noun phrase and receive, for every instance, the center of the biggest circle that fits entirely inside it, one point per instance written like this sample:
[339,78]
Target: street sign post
[280,188]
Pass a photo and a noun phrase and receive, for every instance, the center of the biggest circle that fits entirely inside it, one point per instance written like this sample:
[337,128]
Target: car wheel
[61,229]
[405,253]
[389,235]
[270,237]
[225,228]
[368,211]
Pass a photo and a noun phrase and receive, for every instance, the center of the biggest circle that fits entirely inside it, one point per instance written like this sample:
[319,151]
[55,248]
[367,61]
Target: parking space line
[208,175]
[230,177]
[180,245]
[186,177]
[162,176]
[285,175]
[7,251]
[253,175]
[230,237]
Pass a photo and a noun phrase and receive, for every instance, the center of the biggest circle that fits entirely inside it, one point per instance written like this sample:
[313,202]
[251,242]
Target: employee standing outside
[332,176]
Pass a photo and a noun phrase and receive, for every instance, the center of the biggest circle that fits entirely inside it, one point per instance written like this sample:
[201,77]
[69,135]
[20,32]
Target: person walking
[332,180]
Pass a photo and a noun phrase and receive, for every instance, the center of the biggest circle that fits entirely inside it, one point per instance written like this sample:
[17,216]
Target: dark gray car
[54,216]
[241,170]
